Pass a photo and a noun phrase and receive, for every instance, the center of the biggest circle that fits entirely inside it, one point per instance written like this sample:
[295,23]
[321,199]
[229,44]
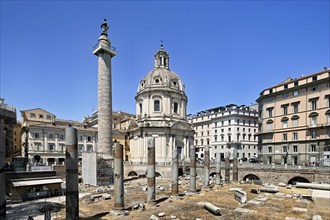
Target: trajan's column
[105,52]
[97,166]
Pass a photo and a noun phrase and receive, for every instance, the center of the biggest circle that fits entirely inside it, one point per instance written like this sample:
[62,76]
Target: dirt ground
[274,206]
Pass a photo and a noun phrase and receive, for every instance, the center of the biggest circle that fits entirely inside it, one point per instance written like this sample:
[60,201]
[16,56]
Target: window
[284,149]
[51,147]
[62,147]
[48,117]
[238,121]
[295,93]
[285,124]
[328,101]
[202,133]
[41,116]
[215,138]
[175,107]
[285,137]
[89,148]
[314,88]
[32,115]
[36,135]
[269,149]
[313,104]
[295,122]
[270,112]
[285,95]
[38,146]
[215,124]
[89,138]
[229,122]
[295,148]
[140,105]
[285,109]
[243,122]
[295,108]
[270,91]
[314,78]
[295,136]
[313,148]
[61,137]
[313,134]
[80,147]
[296,83]
[156,105]
[313,120]
[51,136]
[285,86]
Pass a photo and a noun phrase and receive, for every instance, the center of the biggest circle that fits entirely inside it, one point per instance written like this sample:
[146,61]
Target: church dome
[161,76]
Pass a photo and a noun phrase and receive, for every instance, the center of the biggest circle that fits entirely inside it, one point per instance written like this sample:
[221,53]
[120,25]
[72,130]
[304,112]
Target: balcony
[320,125]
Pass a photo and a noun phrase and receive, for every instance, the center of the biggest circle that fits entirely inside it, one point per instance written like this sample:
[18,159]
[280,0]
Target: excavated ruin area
[285,204]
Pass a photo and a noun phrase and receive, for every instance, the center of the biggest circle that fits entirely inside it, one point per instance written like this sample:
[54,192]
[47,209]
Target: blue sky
[224,51]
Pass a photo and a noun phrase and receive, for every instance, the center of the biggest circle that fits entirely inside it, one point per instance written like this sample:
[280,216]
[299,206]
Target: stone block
[240,196]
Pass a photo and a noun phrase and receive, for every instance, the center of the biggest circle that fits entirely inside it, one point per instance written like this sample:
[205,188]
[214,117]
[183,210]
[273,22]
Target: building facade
[294,121]
[225,128]
[8,121]
[161,105]
[43,136]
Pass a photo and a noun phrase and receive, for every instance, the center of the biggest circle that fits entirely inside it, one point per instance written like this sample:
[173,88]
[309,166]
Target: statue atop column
[105,27]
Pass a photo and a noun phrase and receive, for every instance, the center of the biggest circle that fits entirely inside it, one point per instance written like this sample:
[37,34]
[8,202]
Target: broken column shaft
[192,168]
[235,167]
[174,185]
[218,169]
[72,199]
[227,168]
[119,177]
[151,172]
[206,166]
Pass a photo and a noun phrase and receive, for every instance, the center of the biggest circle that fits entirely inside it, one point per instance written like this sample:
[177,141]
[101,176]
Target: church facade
[161,105]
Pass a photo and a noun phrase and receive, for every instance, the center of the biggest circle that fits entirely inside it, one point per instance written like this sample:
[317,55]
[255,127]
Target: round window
[157,80]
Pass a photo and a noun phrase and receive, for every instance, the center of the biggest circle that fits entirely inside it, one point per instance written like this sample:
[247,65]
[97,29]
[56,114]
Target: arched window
[295,121]
[140,105]
[156,105]
[327,114]
[285,122]
[175,107]
[313,119]
[269,125]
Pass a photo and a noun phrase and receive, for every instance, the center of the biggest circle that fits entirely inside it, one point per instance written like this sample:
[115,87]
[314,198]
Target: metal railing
[100,45]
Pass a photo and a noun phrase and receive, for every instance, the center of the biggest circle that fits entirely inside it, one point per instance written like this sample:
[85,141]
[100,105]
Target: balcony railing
[111,47]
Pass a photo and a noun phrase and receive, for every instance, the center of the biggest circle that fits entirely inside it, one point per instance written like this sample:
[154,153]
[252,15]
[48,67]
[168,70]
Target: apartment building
[225,128]
[7,126]
[43,136]
[294,121]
